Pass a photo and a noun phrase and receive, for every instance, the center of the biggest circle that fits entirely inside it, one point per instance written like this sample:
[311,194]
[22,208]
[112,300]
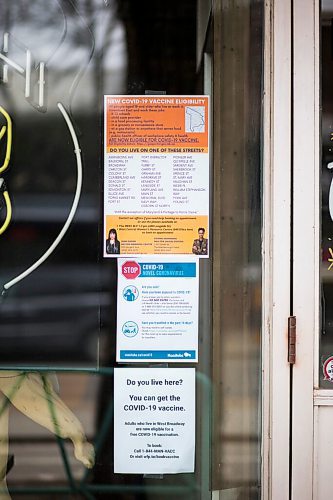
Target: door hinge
[292,340]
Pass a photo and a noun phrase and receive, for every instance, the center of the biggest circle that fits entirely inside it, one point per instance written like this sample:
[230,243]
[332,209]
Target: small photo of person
[200,244]
[112,243]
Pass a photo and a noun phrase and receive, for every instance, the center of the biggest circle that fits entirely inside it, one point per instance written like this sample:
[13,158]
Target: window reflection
[326,339]
[63,312]
[237,250]
[55,313]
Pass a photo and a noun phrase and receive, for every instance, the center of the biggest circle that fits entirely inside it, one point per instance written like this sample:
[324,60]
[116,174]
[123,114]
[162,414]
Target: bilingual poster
[154,420]
[157,309]
[156,175]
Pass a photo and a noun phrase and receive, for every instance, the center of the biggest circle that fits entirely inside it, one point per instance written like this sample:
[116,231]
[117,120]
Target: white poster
[154,420]
[156,175]
[157,310]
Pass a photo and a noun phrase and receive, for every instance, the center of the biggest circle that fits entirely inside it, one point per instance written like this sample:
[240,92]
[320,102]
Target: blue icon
[130,329]
[130,293]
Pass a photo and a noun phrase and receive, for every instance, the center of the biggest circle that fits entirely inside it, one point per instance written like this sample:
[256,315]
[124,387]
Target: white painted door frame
[306,241]
[276,249]
[291,242]
[312,445]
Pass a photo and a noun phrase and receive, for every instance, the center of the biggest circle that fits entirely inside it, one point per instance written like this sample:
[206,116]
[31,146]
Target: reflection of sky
[66,41]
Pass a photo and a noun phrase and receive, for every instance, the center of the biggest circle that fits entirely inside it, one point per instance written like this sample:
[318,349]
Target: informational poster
[157,309]
[154,420]
[156,175]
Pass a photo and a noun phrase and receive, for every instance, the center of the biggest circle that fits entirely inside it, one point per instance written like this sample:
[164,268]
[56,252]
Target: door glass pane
[58,310]
[237,252]
[326,338]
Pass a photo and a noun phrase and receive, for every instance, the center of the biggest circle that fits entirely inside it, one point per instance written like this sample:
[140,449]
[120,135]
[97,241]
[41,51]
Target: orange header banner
[155,124]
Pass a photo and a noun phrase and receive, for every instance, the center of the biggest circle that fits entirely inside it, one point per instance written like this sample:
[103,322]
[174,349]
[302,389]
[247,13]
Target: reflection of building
[65,40]
[80,61]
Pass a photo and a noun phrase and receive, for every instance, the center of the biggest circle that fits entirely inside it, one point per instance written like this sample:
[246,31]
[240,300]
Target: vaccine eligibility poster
[157,310]
[156,175]
[154,420]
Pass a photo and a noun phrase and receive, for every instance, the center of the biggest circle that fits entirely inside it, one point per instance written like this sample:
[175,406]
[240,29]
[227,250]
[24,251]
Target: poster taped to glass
[156,175]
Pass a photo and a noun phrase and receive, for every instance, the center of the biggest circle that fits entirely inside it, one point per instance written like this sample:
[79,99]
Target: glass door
[60,307]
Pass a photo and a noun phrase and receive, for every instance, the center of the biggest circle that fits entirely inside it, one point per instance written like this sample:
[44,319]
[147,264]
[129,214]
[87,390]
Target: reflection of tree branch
[104,43]
[83,66]
[62,36]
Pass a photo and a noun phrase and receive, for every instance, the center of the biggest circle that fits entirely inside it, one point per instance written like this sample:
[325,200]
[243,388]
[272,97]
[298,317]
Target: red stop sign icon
[130,269]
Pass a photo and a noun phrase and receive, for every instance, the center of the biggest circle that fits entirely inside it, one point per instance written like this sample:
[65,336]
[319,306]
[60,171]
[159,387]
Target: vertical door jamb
[306,209]
[276,250]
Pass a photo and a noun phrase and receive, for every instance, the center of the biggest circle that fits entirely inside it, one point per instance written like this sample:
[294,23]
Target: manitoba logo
[328,369]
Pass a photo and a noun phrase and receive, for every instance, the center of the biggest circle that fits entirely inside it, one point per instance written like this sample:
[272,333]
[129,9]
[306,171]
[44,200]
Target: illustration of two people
[200,244]
[112,243]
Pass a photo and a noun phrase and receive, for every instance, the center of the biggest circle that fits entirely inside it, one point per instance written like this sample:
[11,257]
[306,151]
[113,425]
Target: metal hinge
[292,340]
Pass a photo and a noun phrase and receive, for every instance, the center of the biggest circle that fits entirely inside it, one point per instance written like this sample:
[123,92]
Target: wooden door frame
[277,184]
[306,240]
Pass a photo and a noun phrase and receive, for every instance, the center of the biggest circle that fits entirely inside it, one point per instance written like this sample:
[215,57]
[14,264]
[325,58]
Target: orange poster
[156,175]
